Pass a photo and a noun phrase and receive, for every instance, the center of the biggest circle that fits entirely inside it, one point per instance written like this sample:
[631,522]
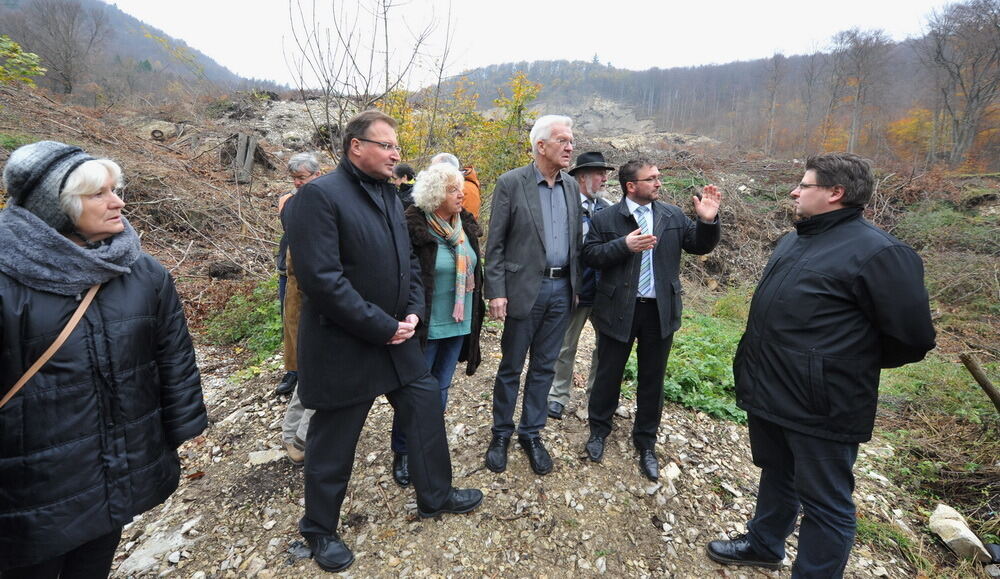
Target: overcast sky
[253,38]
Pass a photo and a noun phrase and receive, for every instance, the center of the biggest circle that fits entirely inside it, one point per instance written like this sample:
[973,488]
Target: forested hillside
[917,102]
[100,55]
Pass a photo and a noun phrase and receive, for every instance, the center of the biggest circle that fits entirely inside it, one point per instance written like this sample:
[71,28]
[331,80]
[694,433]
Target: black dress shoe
[459,501]
[401,469]
[329,552]
[739,552]
[555,410]
[287,384]
[496,454]
[539,458]
[595,448]
[648,465]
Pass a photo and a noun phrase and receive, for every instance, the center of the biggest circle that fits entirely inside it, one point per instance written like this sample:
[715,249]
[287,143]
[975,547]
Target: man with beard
[591,174]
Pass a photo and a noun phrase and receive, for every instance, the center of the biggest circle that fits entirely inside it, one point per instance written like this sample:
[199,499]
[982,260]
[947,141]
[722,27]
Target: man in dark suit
[362,300]
[591,174]
[531,276]
[636,245]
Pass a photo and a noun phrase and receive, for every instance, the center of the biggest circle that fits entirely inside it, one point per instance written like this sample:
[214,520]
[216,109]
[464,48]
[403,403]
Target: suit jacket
[359,277]
[515,250]
[606,251]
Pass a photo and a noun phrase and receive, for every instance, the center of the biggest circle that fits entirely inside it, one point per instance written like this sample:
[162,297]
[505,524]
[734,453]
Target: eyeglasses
[564,142]
[805,186]
[385,146]
[647,180]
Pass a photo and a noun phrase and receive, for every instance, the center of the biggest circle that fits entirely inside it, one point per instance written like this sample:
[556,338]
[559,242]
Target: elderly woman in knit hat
[445,239]
[88,440]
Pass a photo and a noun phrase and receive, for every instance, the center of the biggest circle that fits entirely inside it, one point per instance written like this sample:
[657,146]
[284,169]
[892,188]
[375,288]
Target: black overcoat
[358,278]
[606,251]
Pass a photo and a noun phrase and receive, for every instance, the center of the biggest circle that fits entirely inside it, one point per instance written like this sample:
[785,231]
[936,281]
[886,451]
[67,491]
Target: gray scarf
[43,259]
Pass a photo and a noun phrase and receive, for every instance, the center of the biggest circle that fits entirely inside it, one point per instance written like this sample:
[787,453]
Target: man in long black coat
[362,301]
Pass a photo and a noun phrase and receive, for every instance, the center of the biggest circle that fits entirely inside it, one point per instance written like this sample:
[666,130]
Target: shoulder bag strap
[70,325]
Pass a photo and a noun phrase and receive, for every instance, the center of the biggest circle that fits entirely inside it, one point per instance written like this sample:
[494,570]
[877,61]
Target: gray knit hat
[35,174]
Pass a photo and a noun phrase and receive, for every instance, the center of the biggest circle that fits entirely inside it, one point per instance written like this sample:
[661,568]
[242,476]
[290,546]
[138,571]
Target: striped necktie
[646,265]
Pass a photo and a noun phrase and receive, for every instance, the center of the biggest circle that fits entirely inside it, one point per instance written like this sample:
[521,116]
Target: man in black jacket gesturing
[636,245]
[838,300]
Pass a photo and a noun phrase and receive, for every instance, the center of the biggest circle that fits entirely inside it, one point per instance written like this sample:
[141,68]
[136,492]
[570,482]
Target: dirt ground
[231,518]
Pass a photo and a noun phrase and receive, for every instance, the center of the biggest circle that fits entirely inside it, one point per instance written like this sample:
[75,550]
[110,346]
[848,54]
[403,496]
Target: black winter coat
[605,250]
[90,441]
[425,246]
[359,279]
[838,300]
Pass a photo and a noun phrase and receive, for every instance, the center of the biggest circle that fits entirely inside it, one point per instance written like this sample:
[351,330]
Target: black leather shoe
[539,458]
[555,410]
[595,448]
[496,454]
[459,501]
[287,383]
[739,552]
[401,469]
[329,552]
[648,465]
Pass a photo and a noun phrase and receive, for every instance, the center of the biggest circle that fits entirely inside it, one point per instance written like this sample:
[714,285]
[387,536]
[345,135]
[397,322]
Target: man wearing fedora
[591,174]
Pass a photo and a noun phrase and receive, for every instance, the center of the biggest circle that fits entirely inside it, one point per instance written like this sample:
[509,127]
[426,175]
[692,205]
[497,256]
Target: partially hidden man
[362,300]
[839,300]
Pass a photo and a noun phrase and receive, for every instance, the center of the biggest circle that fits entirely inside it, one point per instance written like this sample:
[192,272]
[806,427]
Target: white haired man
[532,273]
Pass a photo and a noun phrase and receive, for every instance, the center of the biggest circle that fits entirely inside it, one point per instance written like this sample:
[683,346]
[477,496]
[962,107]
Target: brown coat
[425,246]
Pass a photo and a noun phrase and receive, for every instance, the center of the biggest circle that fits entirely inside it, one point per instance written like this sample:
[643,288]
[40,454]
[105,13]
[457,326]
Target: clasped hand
[406,329]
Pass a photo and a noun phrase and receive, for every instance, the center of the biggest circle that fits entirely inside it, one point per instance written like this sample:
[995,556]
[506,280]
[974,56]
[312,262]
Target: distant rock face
[599,117]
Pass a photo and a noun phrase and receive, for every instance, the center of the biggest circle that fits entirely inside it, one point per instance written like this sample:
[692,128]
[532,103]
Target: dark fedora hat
[590,160]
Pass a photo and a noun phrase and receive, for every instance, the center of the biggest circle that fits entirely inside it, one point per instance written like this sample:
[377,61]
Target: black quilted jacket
[91,440]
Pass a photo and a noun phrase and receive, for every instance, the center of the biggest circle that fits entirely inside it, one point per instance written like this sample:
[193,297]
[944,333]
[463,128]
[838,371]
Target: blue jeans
[442,358]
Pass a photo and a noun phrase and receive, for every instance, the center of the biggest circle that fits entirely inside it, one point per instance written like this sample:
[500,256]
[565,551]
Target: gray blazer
[515,251]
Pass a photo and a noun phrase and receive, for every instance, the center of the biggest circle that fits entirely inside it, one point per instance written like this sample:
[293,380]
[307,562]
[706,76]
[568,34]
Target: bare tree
[776,72]
[963,47]
[863,55]
[340,63]
[66,36]
[811,74]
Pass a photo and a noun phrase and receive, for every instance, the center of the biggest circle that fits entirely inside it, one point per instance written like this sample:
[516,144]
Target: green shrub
[734,305]
[700,369]
[938,225]
[11,141]
[252,320]
[682,187]
[938,385]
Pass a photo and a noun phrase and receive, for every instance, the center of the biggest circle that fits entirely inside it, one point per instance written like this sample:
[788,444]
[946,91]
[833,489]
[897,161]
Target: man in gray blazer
[532,273]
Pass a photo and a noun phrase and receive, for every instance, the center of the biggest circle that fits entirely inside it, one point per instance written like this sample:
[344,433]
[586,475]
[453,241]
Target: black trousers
[91,560]
[333,439]
[612,356]
[798,469]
